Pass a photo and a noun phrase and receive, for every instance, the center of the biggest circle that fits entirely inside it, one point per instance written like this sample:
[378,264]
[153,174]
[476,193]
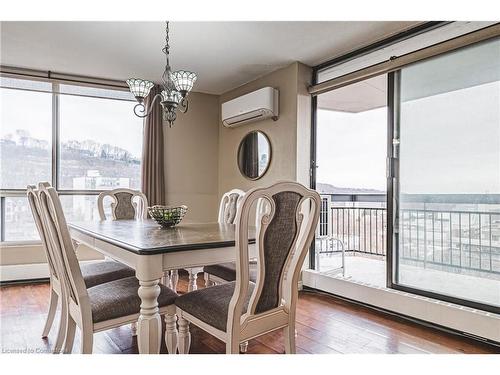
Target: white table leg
[184,336]
[192,281]
[149,324]
[171,335]
[208,282]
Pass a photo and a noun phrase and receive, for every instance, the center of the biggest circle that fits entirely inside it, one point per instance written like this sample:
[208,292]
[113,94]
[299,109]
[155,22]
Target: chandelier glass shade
[175,88]
[171,97]
[139,88]
[183,81]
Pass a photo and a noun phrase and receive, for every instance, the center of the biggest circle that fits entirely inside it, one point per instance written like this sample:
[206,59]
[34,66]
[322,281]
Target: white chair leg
[51,314]
[87,339]
[174,279]
[133,328]
[63,327]
[208,282]
[192,280]
[289,336]
[184,336]
[232,347]
[166,279]
[171,334]
[244,347]
[70,336]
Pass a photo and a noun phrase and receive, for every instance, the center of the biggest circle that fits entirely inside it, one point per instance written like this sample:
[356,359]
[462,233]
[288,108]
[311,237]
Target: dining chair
[123,207]
[103,306]
[94,273]
[224,272]
[238,311]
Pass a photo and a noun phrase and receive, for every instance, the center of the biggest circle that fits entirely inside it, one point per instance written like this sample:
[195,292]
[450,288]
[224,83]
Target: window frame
[55,148]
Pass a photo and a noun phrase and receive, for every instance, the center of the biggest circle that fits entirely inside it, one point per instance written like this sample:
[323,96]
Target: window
[25,135]
[66,135]
[100,143]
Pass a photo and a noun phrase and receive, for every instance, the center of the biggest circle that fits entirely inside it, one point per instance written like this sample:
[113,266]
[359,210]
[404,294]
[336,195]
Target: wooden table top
[147,237]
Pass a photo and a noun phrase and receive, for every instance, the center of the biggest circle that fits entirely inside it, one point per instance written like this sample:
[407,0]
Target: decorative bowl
[167,216]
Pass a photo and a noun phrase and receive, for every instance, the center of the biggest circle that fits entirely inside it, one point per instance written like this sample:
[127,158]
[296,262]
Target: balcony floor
[369,270]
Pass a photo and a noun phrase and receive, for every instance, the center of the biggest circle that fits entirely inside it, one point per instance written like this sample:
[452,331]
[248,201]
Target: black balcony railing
[450,239]
[458,239]
[361,230]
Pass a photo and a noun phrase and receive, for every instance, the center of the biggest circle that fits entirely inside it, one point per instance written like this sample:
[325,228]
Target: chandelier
[175,88]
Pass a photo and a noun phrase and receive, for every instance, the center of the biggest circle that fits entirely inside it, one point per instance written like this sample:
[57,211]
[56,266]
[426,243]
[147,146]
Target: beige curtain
[153,181]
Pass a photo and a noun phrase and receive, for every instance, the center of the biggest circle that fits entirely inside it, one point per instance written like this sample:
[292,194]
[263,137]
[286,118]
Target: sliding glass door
[447,181]
[440,225]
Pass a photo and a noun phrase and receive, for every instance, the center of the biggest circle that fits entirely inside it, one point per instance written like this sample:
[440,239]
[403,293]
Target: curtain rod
[397,62]
[61,77]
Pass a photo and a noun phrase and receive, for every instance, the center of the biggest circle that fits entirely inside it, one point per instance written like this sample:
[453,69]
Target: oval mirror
[254,155]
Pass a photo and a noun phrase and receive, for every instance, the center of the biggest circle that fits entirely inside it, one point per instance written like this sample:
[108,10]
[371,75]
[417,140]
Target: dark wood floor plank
[412,334]
[324,325]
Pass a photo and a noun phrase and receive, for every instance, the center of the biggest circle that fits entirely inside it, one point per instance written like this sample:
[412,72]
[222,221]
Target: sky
[351,148]
[102,120]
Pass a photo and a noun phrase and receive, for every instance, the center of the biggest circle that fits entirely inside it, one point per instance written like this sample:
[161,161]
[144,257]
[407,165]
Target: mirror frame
[270,154]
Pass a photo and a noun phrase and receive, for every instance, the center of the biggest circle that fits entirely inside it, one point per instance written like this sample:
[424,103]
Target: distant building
[94,181]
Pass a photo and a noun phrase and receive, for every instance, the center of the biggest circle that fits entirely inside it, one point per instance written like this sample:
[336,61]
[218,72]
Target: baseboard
[17,272]
[26,272]
[458,318]
[43,280]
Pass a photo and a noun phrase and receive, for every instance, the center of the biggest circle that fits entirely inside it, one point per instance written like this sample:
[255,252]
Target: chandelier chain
[167,83]
[167,46]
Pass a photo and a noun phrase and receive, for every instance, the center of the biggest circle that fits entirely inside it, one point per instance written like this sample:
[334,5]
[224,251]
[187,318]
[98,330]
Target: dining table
[151,250]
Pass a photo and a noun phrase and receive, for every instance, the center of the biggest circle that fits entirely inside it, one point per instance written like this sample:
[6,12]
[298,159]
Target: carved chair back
[36,211]
[283,237]
[123,206]
[60,239]
[229,206]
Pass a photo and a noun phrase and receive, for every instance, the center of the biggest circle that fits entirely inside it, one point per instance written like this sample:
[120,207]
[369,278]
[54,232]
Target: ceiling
[224,54]
[358,97]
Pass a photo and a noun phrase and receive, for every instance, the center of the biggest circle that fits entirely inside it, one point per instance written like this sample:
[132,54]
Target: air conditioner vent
[255,106]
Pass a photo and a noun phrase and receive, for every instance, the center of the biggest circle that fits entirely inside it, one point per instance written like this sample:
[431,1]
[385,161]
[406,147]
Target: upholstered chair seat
[227,271]
[211,305]
[100,272]
[119,298]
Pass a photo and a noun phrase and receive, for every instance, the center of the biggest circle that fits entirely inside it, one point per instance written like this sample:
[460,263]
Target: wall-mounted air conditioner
[255,106]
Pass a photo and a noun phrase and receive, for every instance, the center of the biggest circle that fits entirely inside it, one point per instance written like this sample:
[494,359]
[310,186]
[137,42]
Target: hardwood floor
[324,325]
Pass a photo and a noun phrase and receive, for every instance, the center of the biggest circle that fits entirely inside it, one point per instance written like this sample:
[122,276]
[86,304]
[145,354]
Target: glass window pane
[96,92]
[24,84]
[449,212]
[19,224]
[79,207]
[101,144]
[25,137]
